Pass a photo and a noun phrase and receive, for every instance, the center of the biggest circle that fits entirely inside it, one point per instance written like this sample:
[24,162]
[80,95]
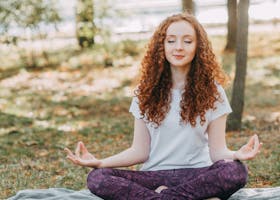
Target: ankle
[160,188]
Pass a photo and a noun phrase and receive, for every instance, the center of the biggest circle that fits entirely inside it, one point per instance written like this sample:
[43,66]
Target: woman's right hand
[82,157]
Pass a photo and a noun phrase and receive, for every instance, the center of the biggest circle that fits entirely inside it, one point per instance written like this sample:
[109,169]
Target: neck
[179,76]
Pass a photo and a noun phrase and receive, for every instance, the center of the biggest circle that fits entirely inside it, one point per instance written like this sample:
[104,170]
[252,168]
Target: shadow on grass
[31,155]
[8,120]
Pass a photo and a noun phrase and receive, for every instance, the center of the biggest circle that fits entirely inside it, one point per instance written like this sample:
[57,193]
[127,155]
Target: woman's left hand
[249,150]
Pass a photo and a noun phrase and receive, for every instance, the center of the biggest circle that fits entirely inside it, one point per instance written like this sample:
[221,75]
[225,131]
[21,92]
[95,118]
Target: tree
[85,29]
[27,13]
[188,5]
[237,100]
[231,25]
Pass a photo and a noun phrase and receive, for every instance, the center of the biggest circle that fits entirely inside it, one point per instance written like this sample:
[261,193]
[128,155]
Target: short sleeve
[222,105]
[134,108]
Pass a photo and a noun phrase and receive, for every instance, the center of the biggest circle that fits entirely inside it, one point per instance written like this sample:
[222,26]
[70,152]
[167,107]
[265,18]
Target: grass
[43,111]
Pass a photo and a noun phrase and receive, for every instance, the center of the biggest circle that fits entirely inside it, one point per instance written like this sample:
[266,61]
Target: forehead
[180,28]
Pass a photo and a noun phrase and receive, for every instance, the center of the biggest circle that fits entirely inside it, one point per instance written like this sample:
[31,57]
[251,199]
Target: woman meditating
[180,110]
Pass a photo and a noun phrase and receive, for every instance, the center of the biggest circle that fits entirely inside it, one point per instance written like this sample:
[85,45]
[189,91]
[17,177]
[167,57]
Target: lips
[179,56]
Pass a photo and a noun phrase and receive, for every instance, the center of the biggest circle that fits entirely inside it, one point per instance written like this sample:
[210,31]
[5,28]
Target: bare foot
[160,188]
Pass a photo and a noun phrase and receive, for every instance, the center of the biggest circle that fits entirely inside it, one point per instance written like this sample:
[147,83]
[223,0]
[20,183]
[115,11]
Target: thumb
[251,141]
[83,148]
[256,143]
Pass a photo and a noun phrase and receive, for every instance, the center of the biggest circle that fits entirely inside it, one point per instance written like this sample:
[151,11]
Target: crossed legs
[220,180]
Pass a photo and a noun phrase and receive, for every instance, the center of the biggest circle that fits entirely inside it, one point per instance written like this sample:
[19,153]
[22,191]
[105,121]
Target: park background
[55,92]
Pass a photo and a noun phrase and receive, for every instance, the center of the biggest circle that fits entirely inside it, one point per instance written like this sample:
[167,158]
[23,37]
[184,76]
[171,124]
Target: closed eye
[188,42]
[170,41]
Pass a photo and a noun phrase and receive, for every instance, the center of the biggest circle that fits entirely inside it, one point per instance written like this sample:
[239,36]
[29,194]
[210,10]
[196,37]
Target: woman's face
[180,44]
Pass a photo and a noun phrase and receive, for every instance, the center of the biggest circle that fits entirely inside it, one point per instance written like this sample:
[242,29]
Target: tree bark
[85,28]
[237,100]
[188,5]
[231,25]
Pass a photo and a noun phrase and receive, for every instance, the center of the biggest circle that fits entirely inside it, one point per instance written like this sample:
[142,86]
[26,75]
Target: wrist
[234,156]
[100,164]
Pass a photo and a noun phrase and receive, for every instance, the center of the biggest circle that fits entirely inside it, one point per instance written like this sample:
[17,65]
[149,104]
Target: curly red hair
[200,91]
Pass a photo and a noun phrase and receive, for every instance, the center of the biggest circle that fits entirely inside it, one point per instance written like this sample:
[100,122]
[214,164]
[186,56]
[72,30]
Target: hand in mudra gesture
[249,150]
[82,157]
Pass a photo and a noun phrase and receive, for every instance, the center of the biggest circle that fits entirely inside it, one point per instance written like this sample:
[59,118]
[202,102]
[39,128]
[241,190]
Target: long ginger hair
[200,91]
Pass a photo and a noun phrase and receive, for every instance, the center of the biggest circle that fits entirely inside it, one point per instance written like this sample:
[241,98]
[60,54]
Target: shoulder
[221,92]
[219,86]
[222,105]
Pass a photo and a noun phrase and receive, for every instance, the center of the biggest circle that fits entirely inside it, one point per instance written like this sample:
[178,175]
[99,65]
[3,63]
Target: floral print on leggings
[221,180]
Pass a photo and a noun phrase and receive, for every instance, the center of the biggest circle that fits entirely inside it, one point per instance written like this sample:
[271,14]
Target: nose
[179,45]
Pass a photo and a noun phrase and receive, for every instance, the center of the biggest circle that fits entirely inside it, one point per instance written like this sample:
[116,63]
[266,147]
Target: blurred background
[56,21]
[68,70]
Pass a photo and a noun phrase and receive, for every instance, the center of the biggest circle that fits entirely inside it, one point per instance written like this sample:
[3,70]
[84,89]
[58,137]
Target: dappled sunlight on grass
[264,70]
[263,45]
[43,111]
[55,90]
[94,80]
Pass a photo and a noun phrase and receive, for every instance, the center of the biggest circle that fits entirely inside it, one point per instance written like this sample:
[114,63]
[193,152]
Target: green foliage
[91,17]
[85,28]
[120,53]
[130,47]
[27,13]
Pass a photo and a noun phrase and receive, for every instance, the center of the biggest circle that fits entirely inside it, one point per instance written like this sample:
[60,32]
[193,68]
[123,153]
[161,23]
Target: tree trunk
[237,100]
[231,25]
[84,23]
[188,5]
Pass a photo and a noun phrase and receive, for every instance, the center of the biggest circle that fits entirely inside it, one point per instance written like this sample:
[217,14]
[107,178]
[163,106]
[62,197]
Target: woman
[180,111]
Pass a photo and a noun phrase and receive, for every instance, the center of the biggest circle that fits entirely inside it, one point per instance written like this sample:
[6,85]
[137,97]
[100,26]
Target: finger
[83,148]
[71,155]
[256,143]
[76,160]
[251,142]
[73,159]
[257,146]
[260,146]
[78,149]
[68,151]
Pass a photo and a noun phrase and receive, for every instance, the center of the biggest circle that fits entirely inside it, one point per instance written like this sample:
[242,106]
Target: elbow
[215,156]
[214,159]
[144,158]
[140,155]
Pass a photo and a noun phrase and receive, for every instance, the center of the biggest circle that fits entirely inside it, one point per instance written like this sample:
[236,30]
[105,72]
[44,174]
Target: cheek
[166,47]
[192,50]
[167,52]
[167,57]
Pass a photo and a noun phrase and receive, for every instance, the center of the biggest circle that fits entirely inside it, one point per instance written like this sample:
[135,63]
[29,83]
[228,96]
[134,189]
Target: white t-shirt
[175,145]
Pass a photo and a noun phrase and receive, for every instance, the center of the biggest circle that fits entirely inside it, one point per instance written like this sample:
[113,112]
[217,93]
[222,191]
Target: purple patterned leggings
[221,180]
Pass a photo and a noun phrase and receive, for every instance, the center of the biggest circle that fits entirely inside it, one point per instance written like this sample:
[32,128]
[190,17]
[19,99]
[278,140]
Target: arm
[218,147]
[137,153]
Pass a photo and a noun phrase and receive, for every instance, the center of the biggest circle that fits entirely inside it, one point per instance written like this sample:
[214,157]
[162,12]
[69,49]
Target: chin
[179,65]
